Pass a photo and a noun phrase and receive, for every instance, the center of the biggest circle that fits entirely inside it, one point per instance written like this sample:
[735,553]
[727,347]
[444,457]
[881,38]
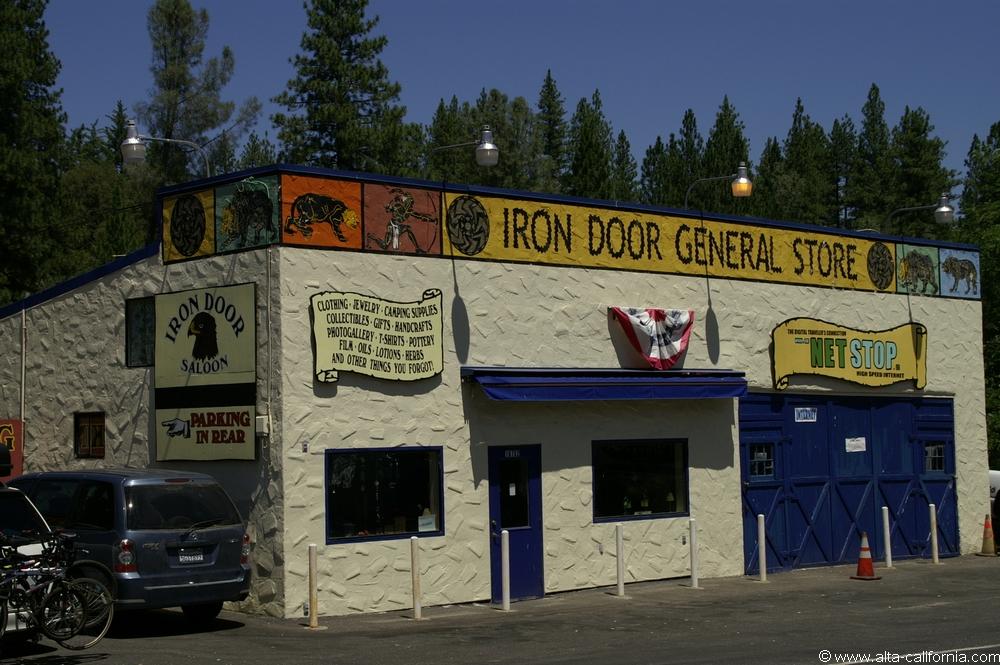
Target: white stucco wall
[75,362]
[494,314]
[534,316]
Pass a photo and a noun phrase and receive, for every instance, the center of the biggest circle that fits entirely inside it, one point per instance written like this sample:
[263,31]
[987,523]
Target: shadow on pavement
[164,623]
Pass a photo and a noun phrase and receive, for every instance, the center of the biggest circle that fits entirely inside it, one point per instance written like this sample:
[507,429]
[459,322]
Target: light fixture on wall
[742,186]
[134,146]
[487,152]
[944,212]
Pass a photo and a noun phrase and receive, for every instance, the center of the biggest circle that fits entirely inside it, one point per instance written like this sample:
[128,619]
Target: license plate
[190,556]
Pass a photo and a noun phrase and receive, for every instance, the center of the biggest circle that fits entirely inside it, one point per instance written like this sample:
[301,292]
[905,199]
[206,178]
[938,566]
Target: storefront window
[88,435]
[140,330]
[933,457]
[645,478]
[762,460]
[383,493]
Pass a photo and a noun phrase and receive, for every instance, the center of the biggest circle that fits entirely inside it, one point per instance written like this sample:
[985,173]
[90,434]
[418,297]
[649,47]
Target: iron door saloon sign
[381,338]
[206,374]
[871,358]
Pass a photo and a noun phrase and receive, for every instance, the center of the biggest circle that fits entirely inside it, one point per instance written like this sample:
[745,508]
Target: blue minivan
[170,538]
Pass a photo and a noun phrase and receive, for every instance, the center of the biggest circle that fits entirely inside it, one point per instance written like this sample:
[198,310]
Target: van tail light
[245,550]
[125,558]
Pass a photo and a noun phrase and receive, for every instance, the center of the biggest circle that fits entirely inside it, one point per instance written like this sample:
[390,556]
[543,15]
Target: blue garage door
[820,469]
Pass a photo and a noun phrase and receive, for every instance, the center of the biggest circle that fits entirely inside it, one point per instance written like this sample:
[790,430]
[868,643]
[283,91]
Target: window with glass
[382,493]
[140,330]
[640,478]
[934,457]
[762,460]
[88,435]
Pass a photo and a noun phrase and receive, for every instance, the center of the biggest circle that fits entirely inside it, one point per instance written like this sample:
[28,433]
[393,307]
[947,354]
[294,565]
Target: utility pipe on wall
[313,595]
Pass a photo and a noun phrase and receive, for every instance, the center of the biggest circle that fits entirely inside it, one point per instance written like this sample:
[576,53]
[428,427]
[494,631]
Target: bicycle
[75,613]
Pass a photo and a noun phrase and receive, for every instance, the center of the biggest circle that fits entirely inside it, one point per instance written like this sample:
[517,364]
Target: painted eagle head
[203,329]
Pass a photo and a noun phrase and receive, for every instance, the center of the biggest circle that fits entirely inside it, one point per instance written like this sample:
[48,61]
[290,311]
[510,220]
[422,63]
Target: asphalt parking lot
[807,616]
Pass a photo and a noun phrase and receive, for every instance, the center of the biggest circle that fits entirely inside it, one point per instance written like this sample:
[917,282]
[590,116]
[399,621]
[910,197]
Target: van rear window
[151,507]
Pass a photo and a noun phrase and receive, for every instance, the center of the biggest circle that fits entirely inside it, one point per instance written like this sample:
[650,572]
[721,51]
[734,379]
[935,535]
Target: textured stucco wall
[532,316]
[75,362]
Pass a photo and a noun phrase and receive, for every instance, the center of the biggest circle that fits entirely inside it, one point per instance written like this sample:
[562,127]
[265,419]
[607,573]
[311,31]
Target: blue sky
[651,60]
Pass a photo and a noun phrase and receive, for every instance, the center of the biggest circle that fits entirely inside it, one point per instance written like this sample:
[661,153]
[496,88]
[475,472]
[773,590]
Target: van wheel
[202,613]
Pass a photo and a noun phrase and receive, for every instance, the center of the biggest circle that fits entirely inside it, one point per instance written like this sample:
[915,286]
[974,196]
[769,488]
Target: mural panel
[402,219]
[188,226]
[917,270]
[959,273]
[246,214]
[320,212]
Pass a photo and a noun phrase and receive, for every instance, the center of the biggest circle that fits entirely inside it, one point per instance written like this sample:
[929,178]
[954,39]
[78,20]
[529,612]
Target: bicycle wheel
[100,610]
[63,612]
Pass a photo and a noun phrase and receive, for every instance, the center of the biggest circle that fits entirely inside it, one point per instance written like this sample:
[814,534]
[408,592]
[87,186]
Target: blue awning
[574,384]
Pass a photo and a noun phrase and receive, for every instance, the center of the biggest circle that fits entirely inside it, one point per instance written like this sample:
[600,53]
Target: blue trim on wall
[80,280]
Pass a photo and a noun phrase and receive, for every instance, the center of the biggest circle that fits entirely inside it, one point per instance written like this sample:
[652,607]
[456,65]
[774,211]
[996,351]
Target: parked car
[171,538]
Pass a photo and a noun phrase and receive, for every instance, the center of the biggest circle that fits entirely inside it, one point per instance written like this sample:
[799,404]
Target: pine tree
[688,155]
[870,185]
[552,133]
[920,176]
[807,182]
[725,148]
[624,171]
[843,144]
[257,151]
[31,137]
[653,181]
[343,110]
[186,100]
[590,151]
[767,185]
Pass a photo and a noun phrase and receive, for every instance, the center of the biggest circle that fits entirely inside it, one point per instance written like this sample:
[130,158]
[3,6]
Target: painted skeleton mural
[400,209]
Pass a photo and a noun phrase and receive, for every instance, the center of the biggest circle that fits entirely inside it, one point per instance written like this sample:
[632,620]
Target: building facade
[364,360]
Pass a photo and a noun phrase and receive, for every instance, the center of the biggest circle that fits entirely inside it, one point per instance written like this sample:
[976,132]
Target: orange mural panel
[320,212]
[402,219]
[189,226]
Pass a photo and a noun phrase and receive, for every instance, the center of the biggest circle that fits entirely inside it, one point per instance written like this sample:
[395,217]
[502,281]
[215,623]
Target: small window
[373,494]
[140,330]
[762,460]
[88,435]
[640,478]
[933,457]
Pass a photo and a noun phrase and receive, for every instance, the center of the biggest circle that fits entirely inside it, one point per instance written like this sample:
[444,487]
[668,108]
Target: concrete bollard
[313,595]
[694,552]
[620,555]
[415,575]
[934,538]
[762,548]
[887,536]
[505,569]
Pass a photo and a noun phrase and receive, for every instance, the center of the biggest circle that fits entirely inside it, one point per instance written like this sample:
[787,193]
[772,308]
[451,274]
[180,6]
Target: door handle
[493,529]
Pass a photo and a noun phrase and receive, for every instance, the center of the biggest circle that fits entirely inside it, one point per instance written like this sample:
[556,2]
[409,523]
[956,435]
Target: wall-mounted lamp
[742,186]
[134,147]
[487,153]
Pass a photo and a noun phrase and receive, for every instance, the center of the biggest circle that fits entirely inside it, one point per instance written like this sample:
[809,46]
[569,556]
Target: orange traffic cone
[866,570]
[989,546]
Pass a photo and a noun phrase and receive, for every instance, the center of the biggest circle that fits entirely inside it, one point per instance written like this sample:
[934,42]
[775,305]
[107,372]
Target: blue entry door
[515,474]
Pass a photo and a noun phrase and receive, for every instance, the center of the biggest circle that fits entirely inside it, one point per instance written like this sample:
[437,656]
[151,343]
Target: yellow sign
[381,338]
[206,374]
[529,232]
[871,358]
